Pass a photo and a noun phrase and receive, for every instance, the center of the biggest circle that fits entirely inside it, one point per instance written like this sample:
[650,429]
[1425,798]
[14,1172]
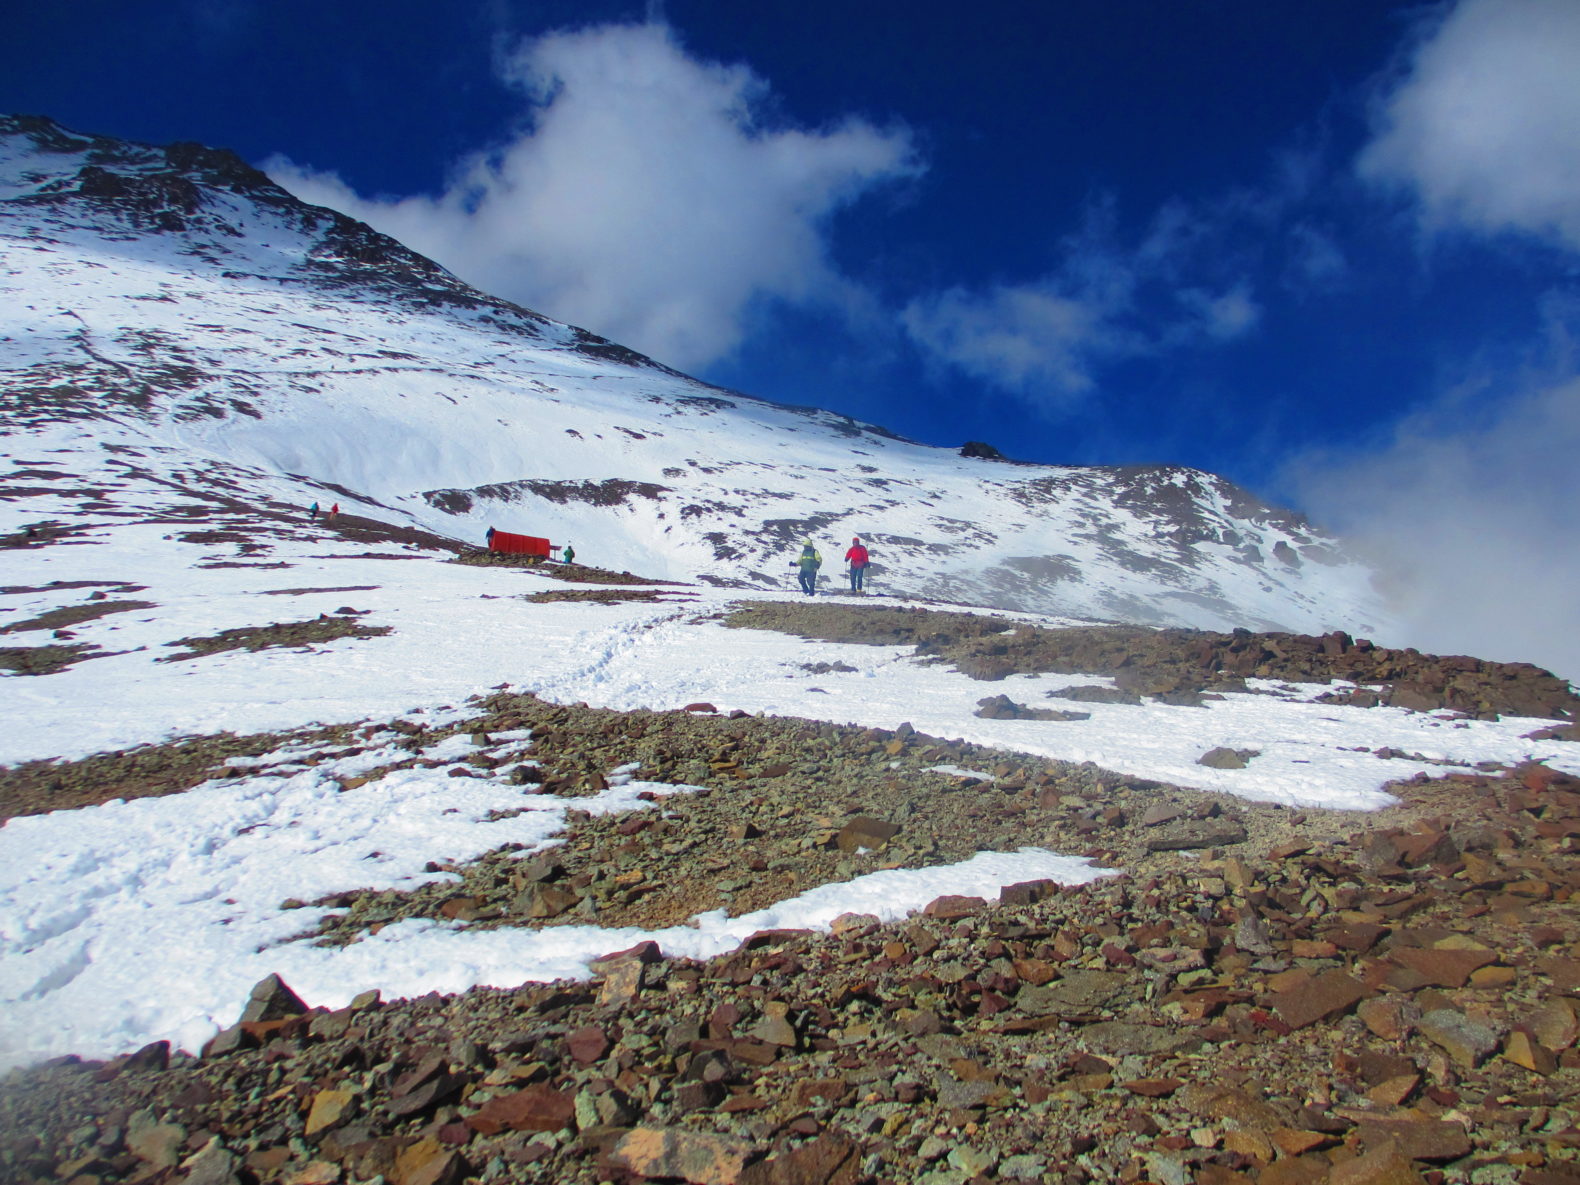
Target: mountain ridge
[200,307]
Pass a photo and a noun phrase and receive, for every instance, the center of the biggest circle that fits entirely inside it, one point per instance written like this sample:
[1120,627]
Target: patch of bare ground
[70,615]
[607,596]
[280,633]
[339,588]
[46,660]
[56,585]
[146,771]
[1181,664]
[570,573]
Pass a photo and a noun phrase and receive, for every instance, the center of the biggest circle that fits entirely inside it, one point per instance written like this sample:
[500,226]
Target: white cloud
[1484,125]
[1469,511]
[648,199]
[1043,339]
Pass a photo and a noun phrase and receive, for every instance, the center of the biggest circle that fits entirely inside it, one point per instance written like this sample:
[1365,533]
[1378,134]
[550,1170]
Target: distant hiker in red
[333,511]
[856,557]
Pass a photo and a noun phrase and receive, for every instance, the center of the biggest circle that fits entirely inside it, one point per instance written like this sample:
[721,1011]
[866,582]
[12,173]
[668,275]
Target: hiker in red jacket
[856,557]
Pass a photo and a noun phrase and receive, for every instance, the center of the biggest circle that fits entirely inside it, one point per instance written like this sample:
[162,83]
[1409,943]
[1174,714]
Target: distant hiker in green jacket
[569,553]
[808,565]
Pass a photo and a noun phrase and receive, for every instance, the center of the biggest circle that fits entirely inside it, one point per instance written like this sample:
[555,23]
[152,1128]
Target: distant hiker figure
[569,553]
[808,565]
[333,510]
[856,557]
[312,513]
[489,539]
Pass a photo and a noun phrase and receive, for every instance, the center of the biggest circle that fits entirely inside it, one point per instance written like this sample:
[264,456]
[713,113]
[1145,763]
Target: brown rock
[1524,1050]
[1555,1023]
[1445,968]
[1386,1166]
[698,1157]
[952,907]
[1417,1139]
[1327,994]
[827,1160]
[1027,892]
[1293,1141]
[428,1162]
[271,999]
[865,832]
[544,901]
[1078,993]
[587,1044]
[622,982]
[330,1109]
[538,1108]
[1389,1017]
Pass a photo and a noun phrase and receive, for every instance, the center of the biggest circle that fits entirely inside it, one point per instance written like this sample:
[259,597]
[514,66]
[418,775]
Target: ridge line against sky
[1328,251]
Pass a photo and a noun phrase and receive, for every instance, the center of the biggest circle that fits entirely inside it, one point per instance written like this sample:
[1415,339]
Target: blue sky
[1325,247]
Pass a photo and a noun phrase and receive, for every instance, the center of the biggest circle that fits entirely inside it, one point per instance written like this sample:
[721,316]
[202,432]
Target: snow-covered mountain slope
[174,315]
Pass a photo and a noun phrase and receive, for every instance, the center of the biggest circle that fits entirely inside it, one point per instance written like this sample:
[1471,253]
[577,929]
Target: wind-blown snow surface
[197,307]
[144,920]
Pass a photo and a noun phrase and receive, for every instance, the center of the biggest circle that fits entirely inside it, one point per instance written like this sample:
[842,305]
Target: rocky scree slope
[1398,1004]
[176,305]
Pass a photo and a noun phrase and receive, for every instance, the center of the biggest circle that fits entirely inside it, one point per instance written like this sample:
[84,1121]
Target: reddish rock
[587,1044]
[953,907]
[699,707]
[1417,1139]
[1386,1166]
[538,1108]
[1327,994]
[827,1160]
[1445,968]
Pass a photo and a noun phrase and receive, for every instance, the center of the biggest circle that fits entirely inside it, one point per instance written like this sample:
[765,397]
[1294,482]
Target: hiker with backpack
[808,565]
[857,558]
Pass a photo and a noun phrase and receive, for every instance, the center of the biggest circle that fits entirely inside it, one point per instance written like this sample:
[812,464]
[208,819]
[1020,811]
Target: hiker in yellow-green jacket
[808,564]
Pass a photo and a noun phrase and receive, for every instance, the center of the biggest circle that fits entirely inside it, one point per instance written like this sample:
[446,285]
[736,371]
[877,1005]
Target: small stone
[1524,1050]
[271,999]
[622,982]
[1389,1017]
[1466,1041]
[1222,758]
[330,1109]
[952,907]
[865,832]
[587,1044]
